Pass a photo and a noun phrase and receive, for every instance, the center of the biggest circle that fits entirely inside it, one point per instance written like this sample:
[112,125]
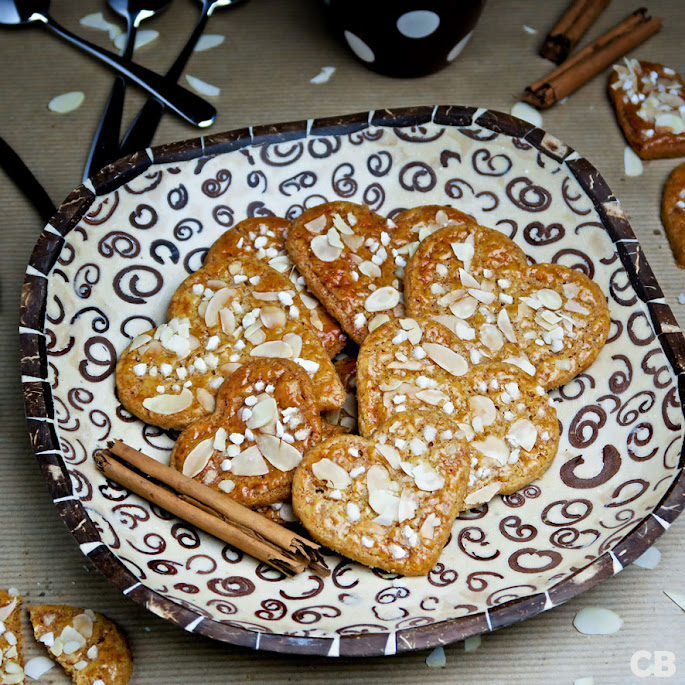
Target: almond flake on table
[202,87]
[142,38]
[524,111]
[529,29]
[436,659]
[66,102]
[323,76]
[471,644]
[676,597]
[209,41]
[681,298]
[597,621]
[649,559]
[98,21]
[632,163]
[588,680]
[38,666]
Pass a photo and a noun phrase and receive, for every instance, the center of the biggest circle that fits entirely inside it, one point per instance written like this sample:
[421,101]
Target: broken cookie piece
[92,649]
[11,643]
[649,103]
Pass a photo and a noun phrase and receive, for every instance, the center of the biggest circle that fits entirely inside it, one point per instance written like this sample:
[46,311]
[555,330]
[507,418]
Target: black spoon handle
[15,169]
[186,104]
[142,130]
[105,146]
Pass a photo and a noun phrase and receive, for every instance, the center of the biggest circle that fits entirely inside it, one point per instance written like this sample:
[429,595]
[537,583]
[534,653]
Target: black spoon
[142,130]
[188,105]
[105,146]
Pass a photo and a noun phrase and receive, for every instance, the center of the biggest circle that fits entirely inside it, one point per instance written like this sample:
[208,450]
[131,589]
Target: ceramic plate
[106,266]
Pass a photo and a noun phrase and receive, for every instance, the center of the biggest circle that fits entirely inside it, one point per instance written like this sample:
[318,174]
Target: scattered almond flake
[279,453]
[632,163]
[681,298]
[83,624]
[529,29]
[649,559]
[198,458]
[323,250]
[677,597]
[263,413]
[67,102]
[427,478]
[523,433]
[142,38]
[471,644]
[273,348]
[7,609]
[209,41]
[446,359]
[377,320]
[202,87]
[436,659]
[323,76]
[390,453]
[334,474]
[36,667]
[98,21]
[226,486]
[523,110]
[482,495]
[384,298]
[249,462]
[316,225]
[588,680]
[597,621]
[169,404]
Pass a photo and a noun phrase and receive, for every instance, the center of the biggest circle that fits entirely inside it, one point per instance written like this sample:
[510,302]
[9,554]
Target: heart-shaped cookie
[265,418]
[349,257]
[263,238]
[502,412]
[649,103]
[220,317]
[383,505]
[476,281]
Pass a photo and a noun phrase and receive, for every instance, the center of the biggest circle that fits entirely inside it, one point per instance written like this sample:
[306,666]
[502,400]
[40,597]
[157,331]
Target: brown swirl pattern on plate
[614,488]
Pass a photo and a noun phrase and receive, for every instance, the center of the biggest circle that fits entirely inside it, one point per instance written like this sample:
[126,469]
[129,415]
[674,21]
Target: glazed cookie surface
[502,412]
[263,238]
[385,506]
[91,648]
[219,318]
[349,256]
[548,319]
[265,418]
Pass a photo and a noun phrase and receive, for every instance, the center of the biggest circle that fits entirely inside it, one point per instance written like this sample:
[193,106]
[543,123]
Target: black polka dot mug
[404,38]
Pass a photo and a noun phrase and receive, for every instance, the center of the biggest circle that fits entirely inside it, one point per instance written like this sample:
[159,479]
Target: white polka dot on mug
[404,38]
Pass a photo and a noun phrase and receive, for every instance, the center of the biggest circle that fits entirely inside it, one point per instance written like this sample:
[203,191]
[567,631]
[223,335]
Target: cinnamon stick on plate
[591,60]
[570,28]
[209,510]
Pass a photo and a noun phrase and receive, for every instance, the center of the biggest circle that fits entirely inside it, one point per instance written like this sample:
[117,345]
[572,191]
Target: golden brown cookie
[502,412]
[11,640]
[349,257]
[265,418]
[549,320]
[384,506]
[649,103]
[263,238]
[673,213]
[91,648]
[219,318]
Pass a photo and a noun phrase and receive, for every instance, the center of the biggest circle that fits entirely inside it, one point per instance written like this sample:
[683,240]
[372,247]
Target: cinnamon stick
[586,64]
[570,28]
[224,506]
[243,538]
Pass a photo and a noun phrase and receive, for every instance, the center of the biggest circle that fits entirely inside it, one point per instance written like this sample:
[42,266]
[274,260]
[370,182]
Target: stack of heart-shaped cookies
[459,339]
